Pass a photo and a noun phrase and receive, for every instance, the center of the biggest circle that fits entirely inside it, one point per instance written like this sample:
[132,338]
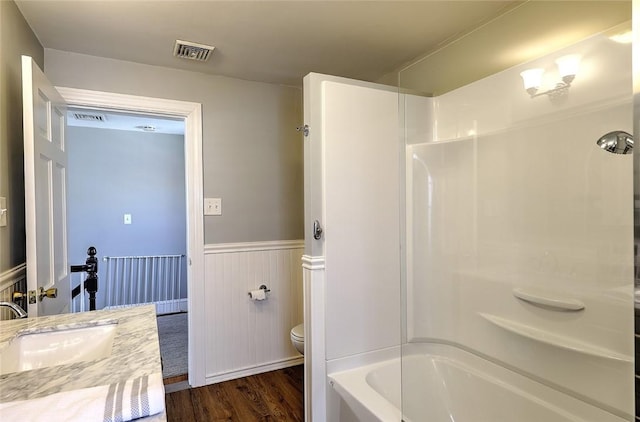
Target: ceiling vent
[192,51]
[87,117]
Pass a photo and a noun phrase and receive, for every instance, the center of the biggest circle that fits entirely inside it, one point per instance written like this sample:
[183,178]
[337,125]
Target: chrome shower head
[616,142]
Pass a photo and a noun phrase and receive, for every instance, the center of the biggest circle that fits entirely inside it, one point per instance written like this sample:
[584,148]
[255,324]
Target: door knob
[19,297]
[51,293]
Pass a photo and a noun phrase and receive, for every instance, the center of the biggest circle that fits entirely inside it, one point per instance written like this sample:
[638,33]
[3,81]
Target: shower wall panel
[361,205]
[352,269]
[510,196]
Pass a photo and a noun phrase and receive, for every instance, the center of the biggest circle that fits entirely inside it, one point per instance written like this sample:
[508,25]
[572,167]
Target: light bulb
[532,79]
[568,67]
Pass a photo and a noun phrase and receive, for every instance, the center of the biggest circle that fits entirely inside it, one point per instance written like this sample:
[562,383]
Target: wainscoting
[11,281]
[245,337]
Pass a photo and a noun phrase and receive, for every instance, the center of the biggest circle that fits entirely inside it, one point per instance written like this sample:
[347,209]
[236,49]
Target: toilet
[297,338]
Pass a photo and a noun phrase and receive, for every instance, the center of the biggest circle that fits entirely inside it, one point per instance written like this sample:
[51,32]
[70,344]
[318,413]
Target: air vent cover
[90,117]
[192,51]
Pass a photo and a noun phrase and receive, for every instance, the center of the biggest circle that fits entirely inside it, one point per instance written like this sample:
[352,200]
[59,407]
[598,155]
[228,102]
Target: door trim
[192,114]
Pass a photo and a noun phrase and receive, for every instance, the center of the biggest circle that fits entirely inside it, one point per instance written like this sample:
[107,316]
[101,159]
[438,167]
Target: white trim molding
[313,262]
[192,115]
[274,245]
[254,370]
[111,100]
[315,370]
[10,276]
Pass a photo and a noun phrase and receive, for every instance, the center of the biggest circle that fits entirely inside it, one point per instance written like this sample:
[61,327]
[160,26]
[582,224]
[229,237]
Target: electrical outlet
[213,206]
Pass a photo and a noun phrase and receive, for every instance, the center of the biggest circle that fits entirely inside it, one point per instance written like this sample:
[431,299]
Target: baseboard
[254,370]
[172,306]
[162,307]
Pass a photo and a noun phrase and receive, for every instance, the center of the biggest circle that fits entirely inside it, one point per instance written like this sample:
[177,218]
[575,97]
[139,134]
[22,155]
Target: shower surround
[520,227]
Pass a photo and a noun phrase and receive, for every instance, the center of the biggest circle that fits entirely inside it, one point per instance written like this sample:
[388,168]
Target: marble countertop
[135,353]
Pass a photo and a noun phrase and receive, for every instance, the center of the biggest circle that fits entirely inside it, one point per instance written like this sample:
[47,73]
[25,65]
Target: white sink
[61,346]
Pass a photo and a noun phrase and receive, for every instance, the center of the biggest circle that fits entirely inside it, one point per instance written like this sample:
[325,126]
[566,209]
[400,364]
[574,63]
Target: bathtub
[443,383]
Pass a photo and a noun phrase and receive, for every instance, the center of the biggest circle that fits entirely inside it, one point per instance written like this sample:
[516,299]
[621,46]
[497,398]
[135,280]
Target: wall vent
[90,117]
[192,51]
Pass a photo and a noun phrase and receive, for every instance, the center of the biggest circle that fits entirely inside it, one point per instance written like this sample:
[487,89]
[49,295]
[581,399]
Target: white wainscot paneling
[246,337]
[11,281]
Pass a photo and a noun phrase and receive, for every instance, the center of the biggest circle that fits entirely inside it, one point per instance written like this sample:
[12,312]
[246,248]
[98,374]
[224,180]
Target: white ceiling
[270,41]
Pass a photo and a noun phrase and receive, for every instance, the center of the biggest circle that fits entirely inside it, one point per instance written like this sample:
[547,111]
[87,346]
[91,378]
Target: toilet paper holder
[262,287]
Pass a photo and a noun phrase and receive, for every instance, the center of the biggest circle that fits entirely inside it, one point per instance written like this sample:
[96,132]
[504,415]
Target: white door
[45,164]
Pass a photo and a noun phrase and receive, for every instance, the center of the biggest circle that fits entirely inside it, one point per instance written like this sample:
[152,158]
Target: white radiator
[133,280]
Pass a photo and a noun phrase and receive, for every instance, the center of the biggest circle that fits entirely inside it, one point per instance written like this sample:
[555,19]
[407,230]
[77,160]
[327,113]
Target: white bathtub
[446,384]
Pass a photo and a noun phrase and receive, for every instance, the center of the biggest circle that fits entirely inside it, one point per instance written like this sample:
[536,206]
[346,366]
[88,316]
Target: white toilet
[297,338]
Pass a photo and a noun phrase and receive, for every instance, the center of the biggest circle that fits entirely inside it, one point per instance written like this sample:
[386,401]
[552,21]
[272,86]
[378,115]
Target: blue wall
[113,172]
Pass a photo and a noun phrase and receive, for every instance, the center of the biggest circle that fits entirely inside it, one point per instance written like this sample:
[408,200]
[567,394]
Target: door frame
[192,115]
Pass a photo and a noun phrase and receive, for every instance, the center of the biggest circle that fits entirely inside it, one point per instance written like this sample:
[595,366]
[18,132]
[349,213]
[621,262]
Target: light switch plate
[3,212]
[212,206]
[127,219]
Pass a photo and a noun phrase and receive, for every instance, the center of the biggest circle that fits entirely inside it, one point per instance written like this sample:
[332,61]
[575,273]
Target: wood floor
[177,378]
[272,396]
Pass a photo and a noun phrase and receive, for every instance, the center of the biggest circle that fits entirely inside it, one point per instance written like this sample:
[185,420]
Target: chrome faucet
[17,310]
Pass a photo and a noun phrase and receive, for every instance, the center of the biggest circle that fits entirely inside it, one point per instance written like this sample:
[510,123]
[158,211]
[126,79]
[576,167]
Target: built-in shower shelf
[554,303]
[552,339]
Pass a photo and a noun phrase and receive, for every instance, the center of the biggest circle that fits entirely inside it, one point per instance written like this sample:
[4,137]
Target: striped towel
[120,402]
[131,400]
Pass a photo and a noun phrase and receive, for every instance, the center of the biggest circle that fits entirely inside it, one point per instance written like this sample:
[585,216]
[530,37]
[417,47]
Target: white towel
[120,402]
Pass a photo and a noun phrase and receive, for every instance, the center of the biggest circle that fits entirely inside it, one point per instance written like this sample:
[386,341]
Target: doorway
[191,114]
[126,197]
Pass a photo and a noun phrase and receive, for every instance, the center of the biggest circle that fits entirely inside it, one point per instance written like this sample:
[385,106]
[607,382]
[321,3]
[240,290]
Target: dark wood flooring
[272,396]
[177,378]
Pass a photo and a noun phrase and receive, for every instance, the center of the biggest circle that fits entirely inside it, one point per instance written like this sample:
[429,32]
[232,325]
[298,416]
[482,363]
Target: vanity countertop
[135,353]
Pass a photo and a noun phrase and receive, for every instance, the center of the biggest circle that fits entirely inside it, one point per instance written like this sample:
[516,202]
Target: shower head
[616,142]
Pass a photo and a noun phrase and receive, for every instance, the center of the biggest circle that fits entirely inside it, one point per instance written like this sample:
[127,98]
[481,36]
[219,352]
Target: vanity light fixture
[567,69]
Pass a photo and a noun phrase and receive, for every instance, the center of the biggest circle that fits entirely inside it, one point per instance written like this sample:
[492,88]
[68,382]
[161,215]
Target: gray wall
[113,172]
[16,39]
[252,155]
